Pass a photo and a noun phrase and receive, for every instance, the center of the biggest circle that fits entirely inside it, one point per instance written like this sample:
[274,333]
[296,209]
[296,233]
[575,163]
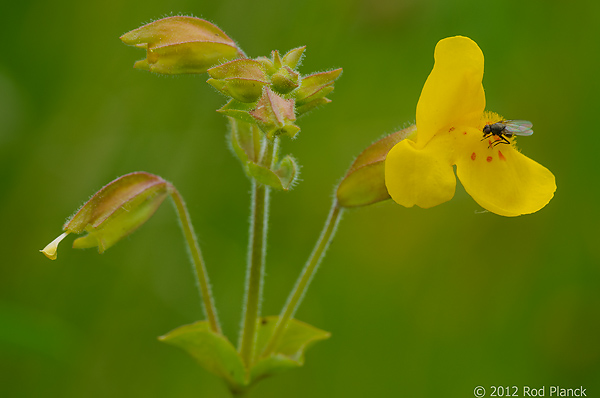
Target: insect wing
[518,127]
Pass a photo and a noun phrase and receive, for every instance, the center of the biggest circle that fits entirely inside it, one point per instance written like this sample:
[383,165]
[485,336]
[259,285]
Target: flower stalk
[309,271]
[256,257]
[196,256]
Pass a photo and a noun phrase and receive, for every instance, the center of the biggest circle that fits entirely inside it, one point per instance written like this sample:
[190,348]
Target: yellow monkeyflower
[450,124]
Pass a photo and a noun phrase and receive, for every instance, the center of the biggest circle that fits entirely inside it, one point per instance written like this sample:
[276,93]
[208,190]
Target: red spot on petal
[464,133]
[451,129]
[473,156]
[501,156]
[489,159]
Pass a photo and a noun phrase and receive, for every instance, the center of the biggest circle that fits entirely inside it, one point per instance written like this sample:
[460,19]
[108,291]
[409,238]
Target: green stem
[199,268]
[256,259]
[297,294]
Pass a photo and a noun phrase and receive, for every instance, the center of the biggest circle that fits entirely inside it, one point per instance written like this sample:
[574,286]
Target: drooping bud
[177,45]
[115,211]
[241,79]
[364,184]
[275,115]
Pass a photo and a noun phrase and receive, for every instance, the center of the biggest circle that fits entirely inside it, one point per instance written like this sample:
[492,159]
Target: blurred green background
[421,303]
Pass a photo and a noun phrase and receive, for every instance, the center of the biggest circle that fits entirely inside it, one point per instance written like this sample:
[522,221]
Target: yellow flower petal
[51,248]
[504,181]
[453,93]
[420,177]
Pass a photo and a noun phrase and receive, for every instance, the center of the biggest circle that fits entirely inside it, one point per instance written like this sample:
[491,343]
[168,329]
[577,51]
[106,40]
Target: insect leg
[502,140]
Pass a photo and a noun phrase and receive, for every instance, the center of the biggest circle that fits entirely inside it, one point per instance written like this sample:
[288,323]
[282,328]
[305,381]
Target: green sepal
[238,110]
[263,175]
[364,184]
[317,85]
[242,79]
[289,354]
[276,59]
[275,115]
[211,350]
[267,64]
[245,140]
[289,130]
[285,80]
[287,171]
[282,177]
[243,90]
[301,110]
[293,57]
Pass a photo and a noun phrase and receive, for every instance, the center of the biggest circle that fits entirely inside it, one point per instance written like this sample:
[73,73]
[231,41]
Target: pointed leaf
[298,337]
[212,351]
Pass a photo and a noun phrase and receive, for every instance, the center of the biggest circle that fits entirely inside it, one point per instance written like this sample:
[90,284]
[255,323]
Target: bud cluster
[270,91]
[266,94]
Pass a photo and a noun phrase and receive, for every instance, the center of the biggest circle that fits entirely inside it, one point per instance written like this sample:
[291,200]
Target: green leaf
[289,354]
[212,351]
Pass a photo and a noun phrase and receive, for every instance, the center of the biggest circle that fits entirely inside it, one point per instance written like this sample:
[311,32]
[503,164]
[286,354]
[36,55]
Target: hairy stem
[256,259]
[297,294]
[196,255]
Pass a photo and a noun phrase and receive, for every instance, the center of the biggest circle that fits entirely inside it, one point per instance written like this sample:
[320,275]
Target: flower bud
[316,86]
[284,80]
[114,212]
[241,79]
[275,115]
[364,184]
[181,44]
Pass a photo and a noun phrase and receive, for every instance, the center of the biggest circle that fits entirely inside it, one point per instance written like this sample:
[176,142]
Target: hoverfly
[506,128]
